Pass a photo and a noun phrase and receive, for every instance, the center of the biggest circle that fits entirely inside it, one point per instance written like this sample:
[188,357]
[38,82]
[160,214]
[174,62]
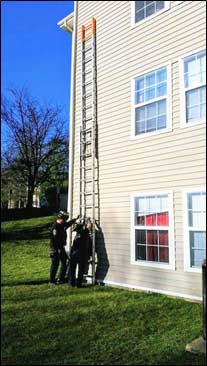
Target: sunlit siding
[169,161]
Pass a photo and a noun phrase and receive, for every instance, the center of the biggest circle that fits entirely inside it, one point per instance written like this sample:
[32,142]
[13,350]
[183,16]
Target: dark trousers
[56,258]
[74,262]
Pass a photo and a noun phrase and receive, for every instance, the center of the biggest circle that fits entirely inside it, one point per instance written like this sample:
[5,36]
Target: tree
[38,146]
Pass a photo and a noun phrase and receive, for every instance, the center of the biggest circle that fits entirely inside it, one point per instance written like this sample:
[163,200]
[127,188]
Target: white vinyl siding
[145,10]
[151,102]
[174,160]
[195,228]
[193,89]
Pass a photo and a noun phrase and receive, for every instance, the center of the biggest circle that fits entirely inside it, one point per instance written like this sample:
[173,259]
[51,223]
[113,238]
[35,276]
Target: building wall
[169,161]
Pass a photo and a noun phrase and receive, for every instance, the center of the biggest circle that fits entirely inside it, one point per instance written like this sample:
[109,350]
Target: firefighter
[80,252]
[57,247]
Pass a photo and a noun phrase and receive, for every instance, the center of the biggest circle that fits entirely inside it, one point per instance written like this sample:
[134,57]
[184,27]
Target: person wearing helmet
[81,251]
[58,237]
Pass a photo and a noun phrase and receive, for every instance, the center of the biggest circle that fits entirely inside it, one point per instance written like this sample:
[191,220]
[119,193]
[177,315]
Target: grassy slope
[90,326]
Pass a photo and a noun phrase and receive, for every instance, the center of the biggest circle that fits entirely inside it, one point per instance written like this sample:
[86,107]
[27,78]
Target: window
[193,70]
[147,9]
[196,237]
[151,102]
[152,229]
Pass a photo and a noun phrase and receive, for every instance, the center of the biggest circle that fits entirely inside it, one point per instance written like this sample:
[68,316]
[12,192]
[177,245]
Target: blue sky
[35,52]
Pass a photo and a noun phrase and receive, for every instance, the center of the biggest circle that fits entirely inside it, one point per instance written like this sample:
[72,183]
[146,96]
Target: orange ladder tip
[93,26]
[83,33]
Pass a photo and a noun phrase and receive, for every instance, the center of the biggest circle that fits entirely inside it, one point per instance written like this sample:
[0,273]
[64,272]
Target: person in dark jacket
[58,254]
[80,252]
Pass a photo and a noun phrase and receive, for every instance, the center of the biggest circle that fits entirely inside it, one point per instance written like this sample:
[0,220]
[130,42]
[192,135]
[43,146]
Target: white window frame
[171,241]
[168,103]
[183,115]
[186,230]
[135,24]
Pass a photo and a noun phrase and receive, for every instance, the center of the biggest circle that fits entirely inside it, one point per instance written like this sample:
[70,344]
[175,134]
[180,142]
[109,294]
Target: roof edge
[67,23]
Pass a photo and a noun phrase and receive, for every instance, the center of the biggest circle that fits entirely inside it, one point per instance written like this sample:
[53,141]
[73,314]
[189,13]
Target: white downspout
[72,119]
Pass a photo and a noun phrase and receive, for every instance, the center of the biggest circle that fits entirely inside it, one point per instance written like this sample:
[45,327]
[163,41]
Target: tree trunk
[30,197]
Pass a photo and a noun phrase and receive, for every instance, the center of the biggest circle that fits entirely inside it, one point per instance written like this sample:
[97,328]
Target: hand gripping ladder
[88,133]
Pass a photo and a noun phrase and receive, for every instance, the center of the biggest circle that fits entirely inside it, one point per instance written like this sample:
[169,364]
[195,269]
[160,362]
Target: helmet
[63,215]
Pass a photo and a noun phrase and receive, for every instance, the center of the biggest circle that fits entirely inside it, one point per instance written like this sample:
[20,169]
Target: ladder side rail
[93,143]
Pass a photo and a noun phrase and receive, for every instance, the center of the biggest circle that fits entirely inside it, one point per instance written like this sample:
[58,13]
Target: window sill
[192,124]
[193,270]
[153,265]
[149,134]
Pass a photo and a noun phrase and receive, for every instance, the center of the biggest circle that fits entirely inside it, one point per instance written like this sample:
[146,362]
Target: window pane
[202,61]
[193,98]
[153,204]
[197,219]
[191,69]
[162,107]
[161,75]
[161,122]
[152,253]
[140,128]
[193,114]
[140,252]
[140,237]
[164,255]
[197,248]
[152,237]
[162,219]
[150,79]
[163,237]
[139,5]
[140,114]
[149,94]
[203,111]
[164,203]
[160,5]
[203,94]
[161,90]
[140,219]
[139,97]
[150,9]
[151,125]
[196,201]
[139,83]
[139,16]
[151,110]
[140,204]
[151,220]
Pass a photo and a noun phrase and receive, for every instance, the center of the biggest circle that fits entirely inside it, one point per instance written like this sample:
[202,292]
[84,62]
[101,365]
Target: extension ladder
[89,201]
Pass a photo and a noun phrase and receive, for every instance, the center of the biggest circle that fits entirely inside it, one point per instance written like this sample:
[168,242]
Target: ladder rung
[84,156]
[89,107]
[87,49]
[88,27]
[88,37]
[88,119]
[87,95]
[86,130]
[88,83]
[87,60]
[87,207]
[87,72]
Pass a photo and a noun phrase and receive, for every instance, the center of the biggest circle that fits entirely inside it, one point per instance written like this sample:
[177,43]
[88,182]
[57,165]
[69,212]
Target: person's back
[58,238]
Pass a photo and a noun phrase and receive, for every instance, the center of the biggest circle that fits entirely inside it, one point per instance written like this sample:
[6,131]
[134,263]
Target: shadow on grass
[24,283]
[25,233]
[181,358]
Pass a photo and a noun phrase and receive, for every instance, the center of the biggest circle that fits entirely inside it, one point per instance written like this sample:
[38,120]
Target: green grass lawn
[57,325]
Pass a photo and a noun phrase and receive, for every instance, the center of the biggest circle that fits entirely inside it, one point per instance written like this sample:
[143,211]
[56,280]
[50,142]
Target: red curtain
[152,254]
[163,219]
